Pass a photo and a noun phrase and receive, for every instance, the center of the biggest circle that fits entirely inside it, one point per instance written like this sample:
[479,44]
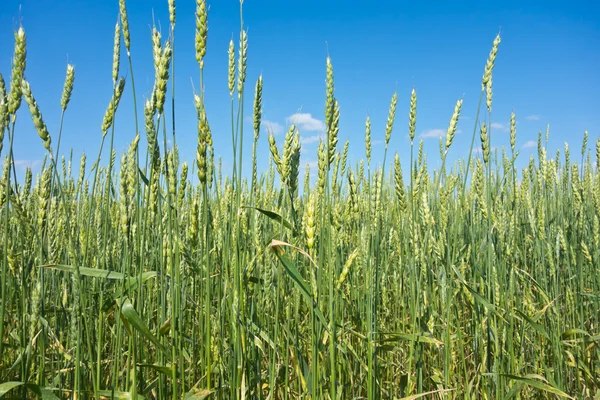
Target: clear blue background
[546,70]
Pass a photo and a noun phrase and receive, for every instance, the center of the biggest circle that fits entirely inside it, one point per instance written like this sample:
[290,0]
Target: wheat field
[153,277]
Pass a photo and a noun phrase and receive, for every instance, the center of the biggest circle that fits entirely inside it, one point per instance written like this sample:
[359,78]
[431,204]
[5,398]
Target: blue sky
[546,70]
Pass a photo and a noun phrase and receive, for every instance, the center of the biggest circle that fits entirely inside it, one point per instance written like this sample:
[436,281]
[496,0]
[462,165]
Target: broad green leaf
[132,284]
[488,306]
[275,217]
[573,332]
[416,396]
[134,319]
[278,243]
[538,328]
[261,333]
[592,295]
[8,386]
[133,281]
[165,370]
[107,394]
[528,380]
[410,337]
[144,178]
[47,394]
[539,289]
[199,395]
[516,388]
[294,274]
[92,272]
[165,327]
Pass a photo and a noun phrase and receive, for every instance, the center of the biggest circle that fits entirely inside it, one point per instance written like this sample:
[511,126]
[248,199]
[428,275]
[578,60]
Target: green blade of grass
[528,380]
[410,337]
[131,285]
[275,217]
[43,394]
[198,395]
[107,394]
[85,271]
[134,319]
[165,370]
[417,396]
[292,271]
[538,328]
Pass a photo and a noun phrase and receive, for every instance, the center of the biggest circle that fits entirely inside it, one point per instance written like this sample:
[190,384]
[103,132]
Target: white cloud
[23,164]
[499,126]
[312,139]
[313,166]
[532,117]
[377,142]
[433,133]
[306,122]
[479,150]
[436,133]
[272,127]
[530,144]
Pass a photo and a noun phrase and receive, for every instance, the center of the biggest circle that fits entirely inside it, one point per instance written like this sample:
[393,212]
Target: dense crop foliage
[153,277]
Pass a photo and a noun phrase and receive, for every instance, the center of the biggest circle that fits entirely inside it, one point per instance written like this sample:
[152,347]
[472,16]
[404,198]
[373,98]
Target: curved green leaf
[92,272]
[486,304]
[8,386]
[132,284]
[144,178]
[528,380]
[538,328]
[165,370]
[48,395]
[417,396]
[292,271]
[199,395]
[134,319]
[275,217]
[573,332]
[411,337]
[107,394]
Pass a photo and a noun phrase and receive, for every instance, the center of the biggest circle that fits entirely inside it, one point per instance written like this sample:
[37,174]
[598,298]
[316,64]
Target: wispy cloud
[23,164]
[273,127]
[377,142]
[433,133]
[313,165]
[479,150]
[311,139]
[306,122]
[533,117]
[530,144]
[499,126]
[436,133]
